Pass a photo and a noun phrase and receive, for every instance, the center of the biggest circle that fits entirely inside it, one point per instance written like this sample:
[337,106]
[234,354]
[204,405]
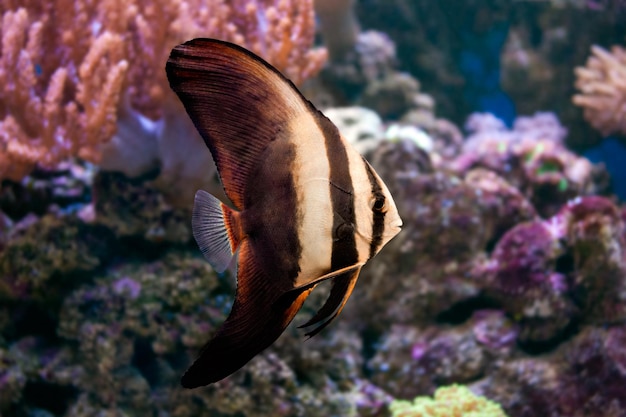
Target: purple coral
[521,259]
[415,360]
[127,285]
[595,234]
[522,276]
[549,273]
[594,380]
[532,157]
[541,126]
[493,329]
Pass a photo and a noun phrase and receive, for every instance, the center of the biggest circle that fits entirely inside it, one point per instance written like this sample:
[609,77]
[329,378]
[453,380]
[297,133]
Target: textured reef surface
[450,401]
[507,284]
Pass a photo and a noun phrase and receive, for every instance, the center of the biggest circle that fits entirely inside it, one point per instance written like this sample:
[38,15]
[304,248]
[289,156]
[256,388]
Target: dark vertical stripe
[344,251]
[271,220]
[378,220]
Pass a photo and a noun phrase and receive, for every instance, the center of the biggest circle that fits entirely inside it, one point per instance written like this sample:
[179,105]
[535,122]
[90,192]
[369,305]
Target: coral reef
[372,57]
[50,253]
[543,47]
[127,323]
[65,188]
[450,401]
[498,56]
[582,378]
[485,286]
[414,360]
[112,317]
[446,45]
[594,232]
[77,73]
[134,208]
[522,275]
[482,282]
[602,85]
[124,339]
[362,127]
[366,76]
[532,157]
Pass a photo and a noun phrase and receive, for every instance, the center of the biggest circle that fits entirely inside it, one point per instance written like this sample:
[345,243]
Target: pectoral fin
[216,229]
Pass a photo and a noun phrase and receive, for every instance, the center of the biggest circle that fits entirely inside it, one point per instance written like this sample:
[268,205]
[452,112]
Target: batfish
[304,207]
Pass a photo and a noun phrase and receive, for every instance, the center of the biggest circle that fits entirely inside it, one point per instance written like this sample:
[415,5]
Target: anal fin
[259,315]
[216,229]
[339,294]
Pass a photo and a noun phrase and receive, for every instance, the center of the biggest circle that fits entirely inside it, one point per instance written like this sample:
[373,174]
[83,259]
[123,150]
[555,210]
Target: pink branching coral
[72,71]
[57,100]
[602,85]
[280,31]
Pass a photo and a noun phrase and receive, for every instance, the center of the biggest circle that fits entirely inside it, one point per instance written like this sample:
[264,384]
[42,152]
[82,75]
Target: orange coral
[65,65]
[602,83]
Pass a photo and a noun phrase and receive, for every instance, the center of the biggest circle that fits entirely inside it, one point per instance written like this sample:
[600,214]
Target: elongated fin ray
[216,229]
[260,314]
[339,294]
[237,101]
[336,296]
[330,275]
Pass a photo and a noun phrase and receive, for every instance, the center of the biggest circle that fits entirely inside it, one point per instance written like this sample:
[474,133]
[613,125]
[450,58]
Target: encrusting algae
[450,401]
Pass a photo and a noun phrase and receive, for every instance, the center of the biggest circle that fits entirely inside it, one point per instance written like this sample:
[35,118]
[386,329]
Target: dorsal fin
[238,102]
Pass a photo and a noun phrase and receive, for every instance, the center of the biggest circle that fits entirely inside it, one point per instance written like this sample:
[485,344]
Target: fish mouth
[396,227]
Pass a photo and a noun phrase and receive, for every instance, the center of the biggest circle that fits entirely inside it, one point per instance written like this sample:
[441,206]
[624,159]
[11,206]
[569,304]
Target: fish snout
[395,227]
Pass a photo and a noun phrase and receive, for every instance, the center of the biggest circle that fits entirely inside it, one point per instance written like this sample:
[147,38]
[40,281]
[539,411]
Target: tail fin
[216,229]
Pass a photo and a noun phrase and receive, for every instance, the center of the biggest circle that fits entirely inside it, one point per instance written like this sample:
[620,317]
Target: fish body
[306,206]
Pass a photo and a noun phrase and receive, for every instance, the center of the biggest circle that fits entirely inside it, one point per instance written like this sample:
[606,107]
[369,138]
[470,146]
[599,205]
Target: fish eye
[379,203]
